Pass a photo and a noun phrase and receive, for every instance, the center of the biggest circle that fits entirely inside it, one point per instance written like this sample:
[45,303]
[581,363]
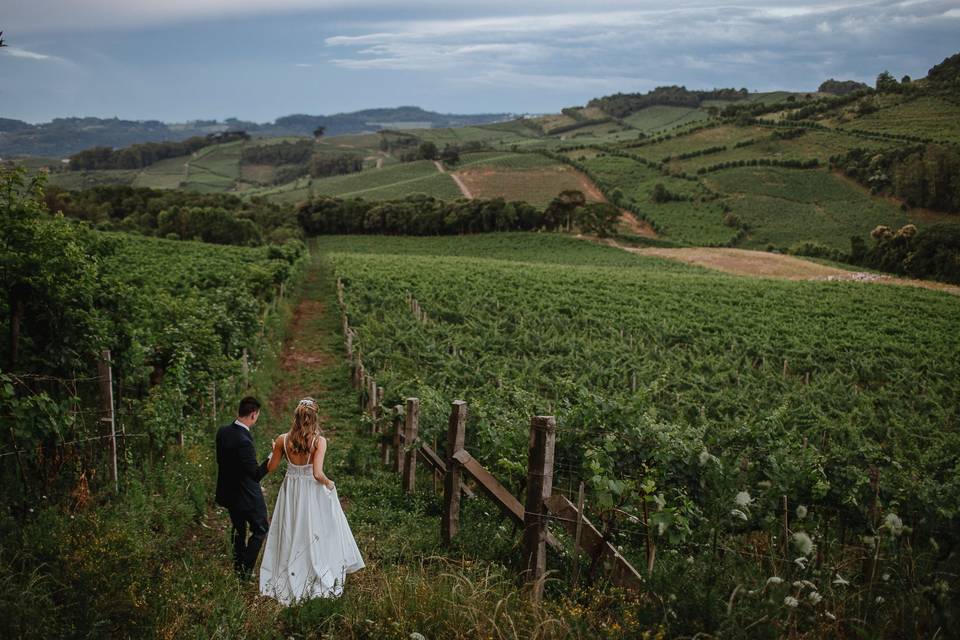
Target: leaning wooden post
[398,438]
[456,434]
[543,434]
[106,399]
[412,426]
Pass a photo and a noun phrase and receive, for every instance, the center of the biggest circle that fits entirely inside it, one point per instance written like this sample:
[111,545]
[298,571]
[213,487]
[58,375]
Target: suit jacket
[238,474]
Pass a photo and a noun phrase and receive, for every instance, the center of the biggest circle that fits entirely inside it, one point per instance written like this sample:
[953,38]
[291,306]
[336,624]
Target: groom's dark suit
[238,489]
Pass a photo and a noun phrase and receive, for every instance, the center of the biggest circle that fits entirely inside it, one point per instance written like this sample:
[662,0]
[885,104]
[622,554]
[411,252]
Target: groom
[238,485]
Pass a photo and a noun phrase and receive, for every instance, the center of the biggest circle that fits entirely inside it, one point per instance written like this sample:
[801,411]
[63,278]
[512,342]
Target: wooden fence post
[543,434]
[410,438]
[245,367]
[398,438]
[456,434]
[105,372]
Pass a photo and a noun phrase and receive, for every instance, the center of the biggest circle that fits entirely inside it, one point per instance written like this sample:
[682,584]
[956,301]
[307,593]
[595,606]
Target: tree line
[218,218]
[421,215]
[620,105]
[143,155]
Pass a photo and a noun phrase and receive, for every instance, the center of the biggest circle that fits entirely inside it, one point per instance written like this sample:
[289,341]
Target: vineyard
[788,440]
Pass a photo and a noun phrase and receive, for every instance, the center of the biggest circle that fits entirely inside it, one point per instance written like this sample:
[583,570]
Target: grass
[704,138]
[390,182]
[925,117]
[660,117]
[166,174]
[533,248]
[814,143]
[691,222]
[786,206]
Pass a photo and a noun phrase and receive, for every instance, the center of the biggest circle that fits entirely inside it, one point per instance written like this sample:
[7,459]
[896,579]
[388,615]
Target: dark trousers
[245,550]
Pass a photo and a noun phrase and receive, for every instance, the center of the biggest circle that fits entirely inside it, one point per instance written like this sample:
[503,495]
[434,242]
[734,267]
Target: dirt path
[631,224]
[761,264]
[460,184]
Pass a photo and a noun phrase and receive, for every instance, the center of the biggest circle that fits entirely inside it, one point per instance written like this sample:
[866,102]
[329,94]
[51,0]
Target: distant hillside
[66,136]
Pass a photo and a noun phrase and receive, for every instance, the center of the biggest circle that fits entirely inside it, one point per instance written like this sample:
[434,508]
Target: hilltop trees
[623,104]
[841,87]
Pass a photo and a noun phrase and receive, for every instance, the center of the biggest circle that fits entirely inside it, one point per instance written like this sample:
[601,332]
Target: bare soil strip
[761,264]
[460,184]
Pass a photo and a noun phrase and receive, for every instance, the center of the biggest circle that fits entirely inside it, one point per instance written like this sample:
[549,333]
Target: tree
[560,212]
[318,132]
[427,150]
[886,82]
[450,155]
[598,218]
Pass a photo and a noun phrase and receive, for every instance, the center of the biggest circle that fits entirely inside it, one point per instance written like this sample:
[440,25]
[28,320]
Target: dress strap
[285,452]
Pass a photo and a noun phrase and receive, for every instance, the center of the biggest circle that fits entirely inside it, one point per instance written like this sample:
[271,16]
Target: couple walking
[310,548]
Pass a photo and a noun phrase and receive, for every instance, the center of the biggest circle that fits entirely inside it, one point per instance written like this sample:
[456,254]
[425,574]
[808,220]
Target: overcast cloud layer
[259,59]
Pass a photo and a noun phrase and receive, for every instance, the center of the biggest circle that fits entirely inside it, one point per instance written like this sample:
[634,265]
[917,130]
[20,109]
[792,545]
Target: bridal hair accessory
[310,402]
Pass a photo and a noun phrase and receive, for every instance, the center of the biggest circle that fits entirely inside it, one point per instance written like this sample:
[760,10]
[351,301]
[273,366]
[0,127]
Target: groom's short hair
[247,406]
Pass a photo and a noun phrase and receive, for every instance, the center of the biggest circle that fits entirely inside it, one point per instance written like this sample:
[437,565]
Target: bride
[310,548]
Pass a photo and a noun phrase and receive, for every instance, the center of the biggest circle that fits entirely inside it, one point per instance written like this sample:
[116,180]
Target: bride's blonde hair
[305,426]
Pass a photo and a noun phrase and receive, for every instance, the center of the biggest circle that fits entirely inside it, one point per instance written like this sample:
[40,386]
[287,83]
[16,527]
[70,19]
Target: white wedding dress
[310,549]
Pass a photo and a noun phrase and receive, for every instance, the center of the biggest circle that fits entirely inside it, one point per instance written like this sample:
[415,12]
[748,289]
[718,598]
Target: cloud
[724,39]
[17,52]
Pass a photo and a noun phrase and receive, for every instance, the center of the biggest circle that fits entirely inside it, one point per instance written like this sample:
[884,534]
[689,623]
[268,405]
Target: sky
[181,60]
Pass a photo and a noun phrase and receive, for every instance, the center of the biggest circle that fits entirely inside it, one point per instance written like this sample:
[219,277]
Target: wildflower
[841,581]
[774,580]
[800,562]
[801,512]
[790,601]
[879,600]
[737,513]
[814,597]
[743,499]
[803,543]
[893,523]
[416,635]
[704,457]
[830,615]
[886,577]
[798,585]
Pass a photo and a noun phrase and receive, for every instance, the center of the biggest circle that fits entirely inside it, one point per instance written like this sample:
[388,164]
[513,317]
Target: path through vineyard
[384,521]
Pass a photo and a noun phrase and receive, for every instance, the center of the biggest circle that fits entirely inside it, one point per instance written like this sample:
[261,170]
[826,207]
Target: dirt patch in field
[630,224]
[761,264]
[536,186]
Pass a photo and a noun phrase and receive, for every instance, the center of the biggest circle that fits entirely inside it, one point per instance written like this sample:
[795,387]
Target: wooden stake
[543,433]
[456,436]
[106,399]
[412,426]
